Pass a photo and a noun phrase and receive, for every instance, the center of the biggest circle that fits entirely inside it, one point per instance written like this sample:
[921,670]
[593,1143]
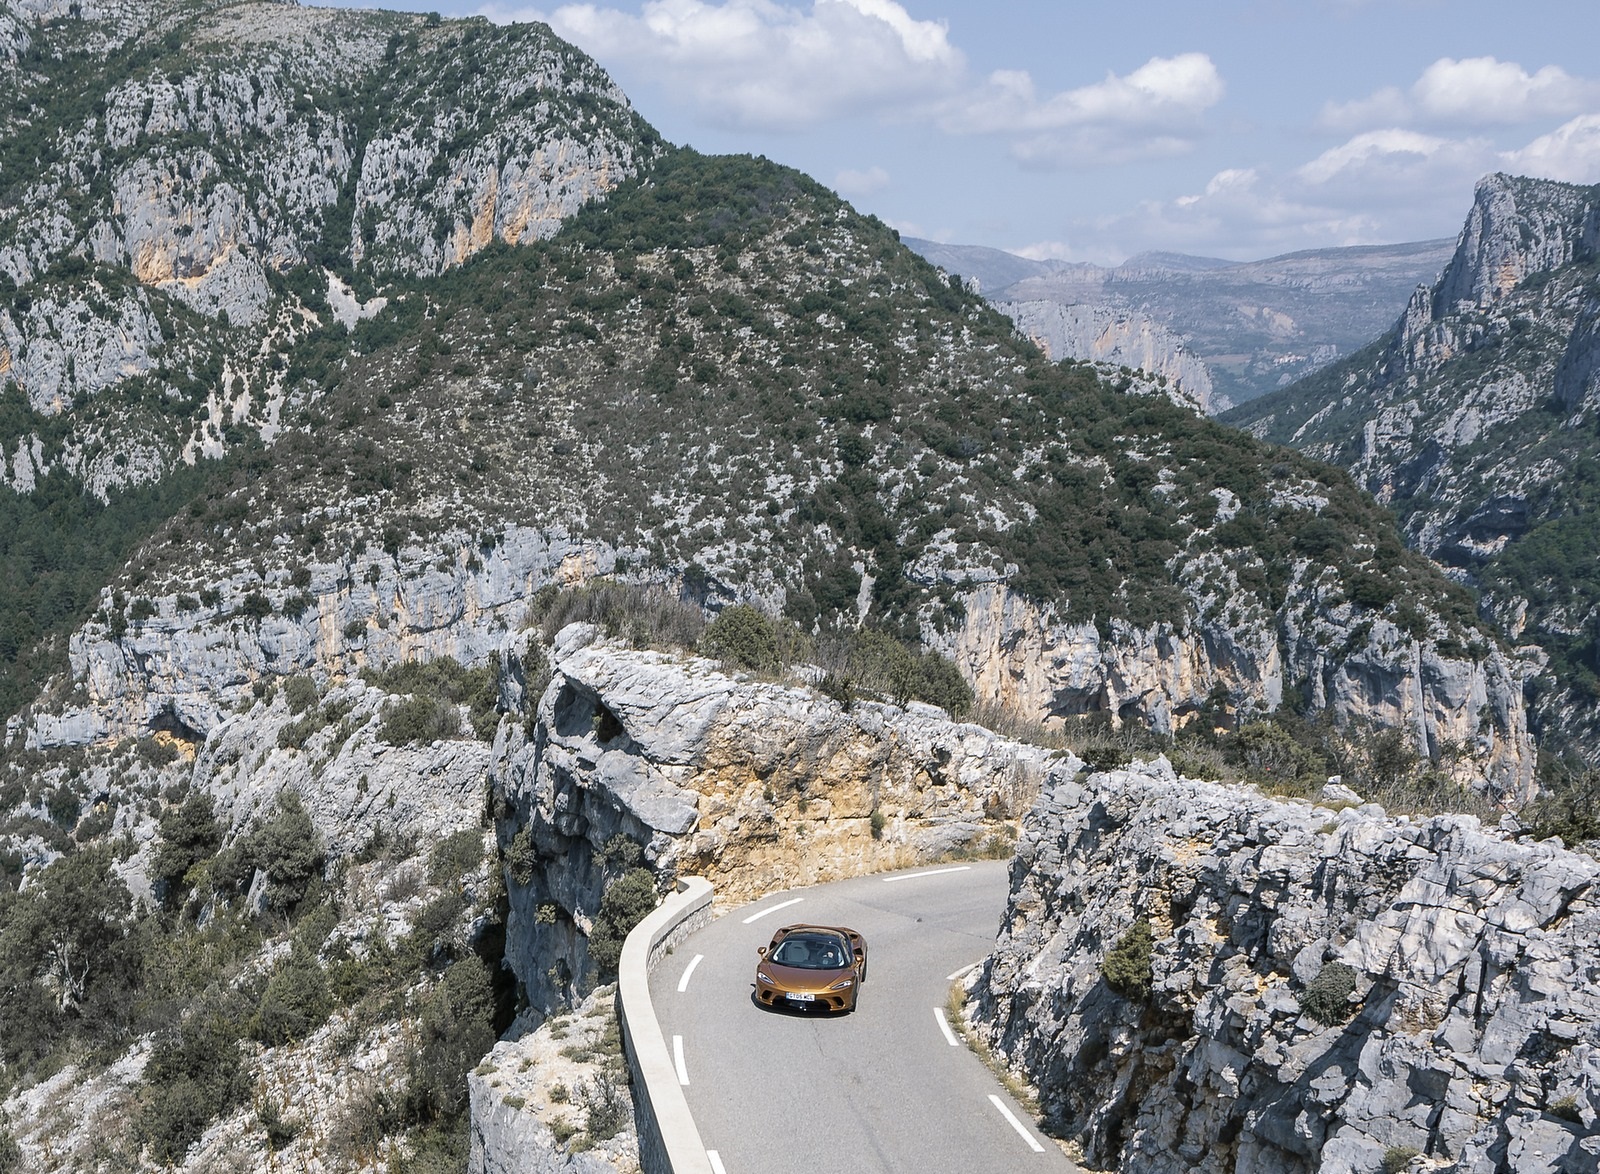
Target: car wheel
[863,978]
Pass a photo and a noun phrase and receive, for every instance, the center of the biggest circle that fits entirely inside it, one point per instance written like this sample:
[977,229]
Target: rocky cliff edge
[1328,988]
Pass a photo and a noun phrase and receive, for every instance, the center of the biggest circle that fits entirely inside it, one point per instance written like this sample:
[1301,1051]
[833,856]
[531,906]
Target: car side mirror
[761,950]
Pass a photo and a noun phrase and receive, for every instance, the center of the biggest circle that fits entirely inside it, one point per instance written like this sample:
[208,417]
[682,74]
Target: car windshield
[811,952]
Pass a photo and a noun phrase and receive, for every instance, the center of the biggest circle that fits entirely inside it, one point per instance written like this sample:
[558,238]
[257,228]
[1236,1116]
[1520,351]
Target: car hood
[804,976]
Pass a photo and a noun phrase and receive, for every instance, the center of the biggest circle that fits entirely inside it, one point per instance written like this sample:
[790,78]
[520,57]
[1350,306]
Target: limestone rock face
[402,145]
[186,666]
[529,1086]
[1017,655]
[1110,334]
[756,786]
[1466,1025]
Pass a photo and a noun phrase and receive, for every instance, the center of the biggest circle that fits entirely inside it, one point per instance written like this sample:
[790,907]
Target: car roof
[827,929]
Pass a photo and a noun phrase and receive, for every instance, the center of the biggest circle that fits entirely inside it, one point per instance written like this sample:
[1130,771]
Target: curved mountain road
[889,1088]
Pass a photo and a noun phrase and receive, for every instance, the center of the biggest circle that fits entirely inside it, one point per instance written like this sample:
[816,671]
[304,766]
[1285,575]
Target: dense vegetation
[59,545]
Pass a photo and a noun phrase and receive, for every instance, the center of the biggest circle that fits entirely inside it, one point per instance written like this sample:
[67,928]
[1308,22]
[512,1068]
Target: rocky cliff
[1021,657]
[756,786]
[168,164]
[1319,988]
[1105,334]
[1471,417]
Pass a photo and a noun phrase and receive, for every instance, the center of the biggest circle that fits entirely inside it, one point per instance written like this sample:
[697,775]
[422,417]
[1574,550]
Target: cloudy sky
[1093,131]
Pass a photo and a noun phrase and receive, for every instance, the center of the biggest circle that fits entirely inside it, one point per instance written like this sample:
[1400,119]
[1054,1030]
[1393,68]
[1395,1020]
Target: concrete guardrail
[669,1142]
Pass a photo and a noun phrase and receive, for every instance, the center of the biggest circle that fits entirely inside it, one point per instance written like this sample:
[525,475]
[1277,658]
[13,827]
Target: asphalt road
[885,1090]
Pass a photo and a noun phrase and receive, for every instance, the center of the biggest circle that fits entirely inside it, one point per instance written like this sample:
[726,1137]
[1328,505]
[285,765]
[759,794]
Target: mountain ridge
[1473,418]
[1252,325]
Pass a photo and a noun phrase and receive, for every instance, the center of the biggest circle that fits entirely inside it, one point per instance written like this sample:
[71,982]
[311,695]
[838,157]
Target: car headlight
[843,985]
[764,977]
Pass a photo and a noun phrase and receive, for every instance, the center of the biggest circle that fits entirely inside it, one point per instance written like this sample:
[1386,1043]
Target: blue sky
[1093,131]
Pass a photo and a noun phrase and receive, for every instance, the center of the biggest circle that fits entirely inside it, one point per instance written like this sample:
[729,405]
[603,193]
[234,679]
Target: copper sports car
[810,967]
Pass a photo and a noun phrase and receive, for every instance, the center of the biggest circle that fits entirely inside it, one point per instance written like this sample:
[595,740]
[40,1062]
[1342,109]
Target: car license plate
[801,998]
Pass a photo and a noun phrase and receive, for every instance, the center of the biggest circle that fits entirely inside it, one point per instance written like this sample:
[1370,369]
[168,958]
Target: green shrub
[435,688]
[156,752]
[1327,996]
[296,1000]
[1398,1157]
[627,901]
[300,693]
[742,636]
[285,847]
[191,834]
[419,720]
[643,617]
[195,1073]
[455,856]
[455,1029]
[1127,966]
[1569,807]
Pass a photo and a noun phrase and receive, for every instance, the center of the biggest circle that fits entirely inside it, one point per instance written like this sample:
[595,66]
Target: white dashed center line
[944,1026]
[677,1059]
[773,909]
[1015,1124]
[889,880]
[716,1162]
[683,983]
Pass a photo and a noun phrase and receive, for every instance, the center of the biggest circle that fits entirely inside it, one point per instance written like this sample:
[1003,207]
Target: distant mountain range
[1226,331]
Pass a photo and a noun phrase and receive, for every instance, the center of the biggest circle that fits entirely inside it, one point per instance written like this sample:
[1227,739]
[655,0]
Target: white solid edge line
[716,1162]
[889,880]
[677,1059]
[944,1026]
[773,909]
[1015,1124]
[962,973]
[683,983]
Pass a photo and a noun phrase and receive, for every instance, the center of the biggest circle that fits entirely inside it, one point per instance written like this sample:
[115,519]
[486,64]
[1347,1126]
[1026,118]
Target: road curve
[882,1090]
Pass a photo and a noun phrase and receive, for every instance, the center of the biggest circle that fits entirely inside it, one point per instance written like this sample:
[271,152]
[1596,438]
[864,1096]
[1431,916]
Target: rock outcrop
[152,241]
[1109,334]
[755,786]
[1328,988]
[189,661]
[1018,655]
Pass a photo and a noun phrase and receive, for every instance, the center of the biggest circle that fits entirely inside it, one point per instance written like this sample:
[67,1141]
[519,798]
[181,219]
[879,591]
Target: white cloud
[1047,251]
[861,183]
[1471,92]
[1372,150]
[1481,90]
[763,64]
[1571,152]
[1378,186]
[1155,110]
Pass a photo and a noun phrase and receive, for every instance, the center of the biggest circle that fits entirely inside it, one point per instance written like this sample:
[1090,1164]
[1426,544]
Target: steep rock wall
[756,786]
[1018,655]
[1470,1034]
[187,666]
[1110,334]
